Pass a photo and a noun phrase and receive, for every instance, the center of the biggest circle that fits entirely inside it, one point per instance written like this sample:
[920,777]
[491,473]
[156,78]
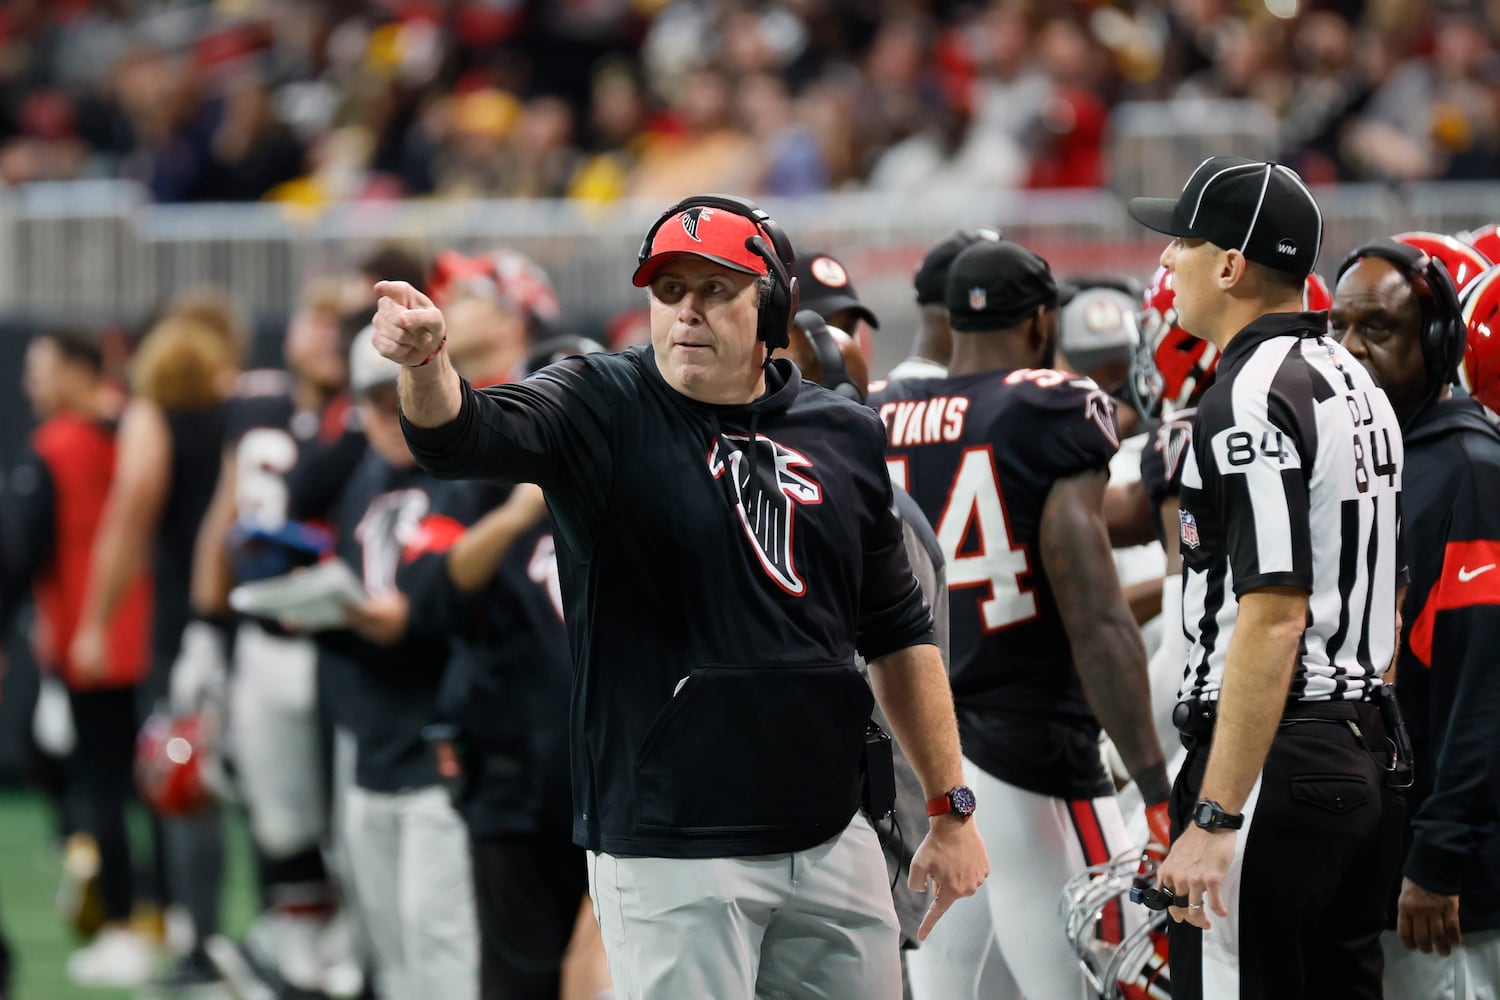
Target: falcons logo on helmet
[767,506]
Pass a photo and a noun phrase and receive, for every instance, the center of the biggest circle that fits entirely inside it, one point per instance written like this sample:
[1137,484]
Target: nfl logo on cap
[1189,529]
[978,299]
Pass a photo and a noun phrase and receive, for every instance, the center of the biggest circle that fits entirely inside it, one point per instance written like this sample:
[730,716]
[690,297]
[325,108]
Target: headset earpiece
[779,306]
[835,373]
[1443,333]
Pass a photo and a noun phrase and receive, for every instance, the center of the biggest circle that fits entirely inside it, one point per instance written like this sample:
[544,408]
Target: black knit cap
[995,284]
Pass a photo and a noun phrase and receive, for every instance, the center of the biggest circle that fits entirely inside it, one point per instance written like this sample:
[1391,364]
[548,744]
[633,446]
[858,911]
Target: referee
[1286,827]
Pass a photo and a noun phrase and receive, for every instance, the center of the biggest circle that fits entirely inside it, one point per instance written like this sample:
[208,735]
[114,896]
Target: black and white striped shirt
[1293,479]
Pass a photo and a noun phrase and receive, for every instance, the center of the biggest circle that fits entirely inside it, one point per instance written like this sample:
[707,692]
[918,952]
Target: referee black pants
[1314,871]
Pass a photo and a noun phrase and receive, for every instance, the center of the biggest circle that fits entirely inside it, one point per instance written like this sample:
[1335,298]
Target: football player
[1008,458]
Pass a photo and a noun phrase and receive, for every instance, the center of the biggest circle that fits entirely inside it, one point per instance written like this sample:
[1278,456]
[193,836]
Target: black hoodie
[716,711]
[1446,677]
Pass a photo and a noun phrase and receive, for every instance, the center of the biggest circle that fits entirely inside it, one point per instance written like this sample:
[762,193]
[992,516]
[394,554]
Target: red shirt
[78,457]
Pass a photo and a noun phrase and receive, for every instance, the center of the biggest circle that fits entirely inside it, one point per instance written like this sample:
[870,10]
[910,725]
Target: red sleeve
[1470,576]
[436,533]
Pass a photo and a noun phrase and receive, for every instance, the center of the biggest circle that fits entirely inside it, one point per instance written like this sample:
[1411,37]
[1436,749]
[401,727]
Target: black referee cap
[931,279]
[1264,210]
[995,284]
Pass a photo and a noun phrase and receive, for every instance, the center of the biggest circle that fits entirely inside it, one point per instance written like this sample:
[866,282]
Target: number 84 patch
[1236,449]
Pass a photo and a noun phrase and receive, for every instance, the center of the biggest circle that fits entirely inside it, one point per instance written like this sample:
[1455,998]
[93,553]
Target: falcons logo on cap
[767,506]
[693,218]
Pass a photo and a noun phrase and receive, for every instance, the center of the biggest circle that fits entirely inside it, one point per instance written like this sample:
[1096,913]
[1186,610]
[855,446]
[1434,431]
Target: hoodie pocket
[755,747]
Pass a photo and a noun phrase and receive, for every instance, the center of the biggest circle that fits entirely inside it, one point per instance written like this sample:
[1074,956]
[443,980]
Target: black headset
[778,301]
[1443,331]
[835,372]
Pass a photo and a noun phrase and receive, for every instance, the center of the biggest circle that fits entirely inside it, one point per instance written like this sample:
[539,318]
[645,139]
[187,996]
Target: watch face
[962,799]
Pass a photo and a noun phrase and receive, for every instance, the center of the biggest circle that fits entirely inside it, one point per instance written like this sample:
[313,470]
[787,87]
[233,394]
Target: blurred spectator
[697,148]
[1436,117]
[315,103]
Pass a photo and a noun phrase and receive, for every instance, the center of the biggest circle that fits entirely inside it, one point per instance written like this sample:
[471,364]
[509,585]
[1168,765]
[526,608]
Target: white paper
[311,598]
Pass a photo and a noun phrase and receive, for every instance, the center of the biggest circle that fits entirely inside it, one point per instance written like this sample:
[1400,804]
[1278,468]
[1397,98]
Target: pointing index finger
[403,294]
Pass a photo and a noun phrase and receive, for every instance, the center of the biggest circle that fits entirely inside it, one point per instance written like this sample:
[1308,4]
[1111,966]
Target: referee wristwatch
[958,801]
[1209,815]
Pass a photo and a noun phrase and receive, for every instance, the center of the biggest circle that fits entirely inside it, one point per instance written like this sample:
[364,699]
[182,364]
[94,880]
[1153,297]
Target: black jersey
[980,453]
[384,695]
[507,682]
[326,461]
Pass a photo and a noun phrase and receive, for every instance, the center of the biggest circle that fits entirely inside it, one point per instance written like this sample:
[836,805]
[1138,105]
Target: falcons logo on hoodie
[766,506]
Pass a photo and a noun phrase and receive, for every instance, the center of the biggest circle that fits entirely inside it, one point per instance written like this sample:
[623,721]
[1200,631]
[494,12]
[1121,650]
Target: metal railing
[99,252]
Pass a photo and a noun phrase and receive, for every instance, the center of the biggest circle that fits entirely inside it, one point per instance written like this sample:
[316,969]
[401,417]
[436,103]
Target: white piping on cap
[1255,216]
[1193,222]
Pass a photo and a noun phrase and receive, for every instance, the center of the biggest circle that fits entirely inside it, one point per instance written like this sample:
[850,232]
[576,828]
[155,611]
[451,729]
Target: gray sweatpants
[409,854]
[813,925]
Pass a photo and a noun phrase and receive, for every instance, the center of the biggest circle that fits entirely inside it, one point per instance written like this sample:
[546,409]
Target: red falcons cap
[714,234]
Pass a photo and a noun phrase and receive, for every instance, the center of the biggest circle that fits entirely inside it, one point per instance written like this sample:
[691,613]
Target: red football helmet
[1171,368]
[1481,368]
[175,772]
[1462,261]
[509,275]
[1485,239]
[1315,294]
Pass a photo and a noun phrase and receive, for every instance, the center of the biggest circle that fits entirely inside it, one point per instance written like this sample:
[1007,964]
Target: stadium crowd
[330,101]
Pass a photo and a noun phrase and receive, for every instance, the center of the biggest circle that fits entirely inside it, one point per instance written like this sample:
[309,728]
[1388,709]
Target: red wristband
[435,350]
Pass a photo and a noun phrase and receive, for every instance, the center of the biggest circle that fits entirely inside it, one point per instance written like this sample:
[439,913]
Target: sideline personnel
[1287,830]
[726,543]
[1396,310]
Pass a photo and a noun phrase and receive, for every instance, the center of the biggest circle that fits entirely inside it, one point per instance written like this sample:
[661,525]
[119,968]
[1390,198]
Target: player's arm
[132,513]
[475,558]
[1127,511]
[1106,643]
[212,578]
[1143,598]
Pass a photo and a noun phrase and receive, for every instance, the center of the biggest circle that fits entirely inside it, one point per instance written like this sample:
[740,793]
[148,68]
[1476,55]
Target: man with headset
[725,544]
[1397,311]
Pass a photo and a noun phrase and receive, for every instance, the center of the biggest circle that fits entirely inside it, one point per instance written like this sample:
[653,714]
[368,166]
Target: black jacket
[720,565]
[1447,678]
[506,686]
[384,695]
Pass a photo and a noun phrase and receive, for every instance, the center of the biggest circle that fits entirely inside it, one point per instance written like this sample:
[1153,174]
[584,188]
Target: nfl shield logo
[1189,529]
[978,299]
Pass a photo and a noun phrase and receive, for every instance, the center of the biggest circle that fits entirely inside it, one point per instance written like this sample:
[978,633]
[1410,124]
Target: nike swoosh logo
[1465,574]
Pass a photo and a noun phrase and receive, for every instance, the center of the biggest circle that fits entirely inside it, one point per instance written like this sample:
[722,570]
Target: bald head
[1378,316]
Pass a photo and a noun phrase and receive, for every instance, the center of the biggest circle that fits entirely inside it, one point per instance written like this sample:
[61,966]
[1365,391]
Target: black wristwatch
[1209,815]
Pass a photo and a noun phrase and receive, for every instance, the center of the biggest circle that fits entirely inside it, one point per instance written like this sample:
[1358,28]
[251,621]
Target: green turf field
[29,866]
